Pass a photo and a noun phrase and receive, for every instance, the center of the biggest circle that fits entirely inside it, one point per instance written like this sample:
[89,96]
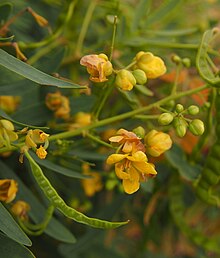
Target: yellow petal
[131,185]
[138,156]
[116,138]
[120,173]
[114,158]
[145,168]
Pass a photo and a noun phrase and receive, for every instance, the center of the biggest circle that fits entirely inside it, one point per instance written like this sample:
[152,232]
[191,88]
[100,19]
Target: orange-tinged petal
[115,158]
[128,146]
[120,173]
[116,138]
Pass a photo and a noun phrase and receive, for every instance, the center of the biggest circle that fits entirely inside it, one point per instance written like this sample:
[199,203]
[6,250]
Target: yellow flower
[35,137]
[152,65]
[157,143]
[93,184]
[59,104]
[132,169]
[8,190]
[41,152]
[20,209]
[97,66]
[9,103]
[125,80]
[129,141]
[7,134]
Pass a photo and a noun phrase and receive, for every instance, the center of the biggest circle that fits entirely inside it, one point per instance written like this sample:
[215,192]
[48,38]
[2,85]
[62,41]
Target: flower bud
[196,127]
[157,143]
[179,108]
[139,131]
[193,110]
[165,119]
[41,152]
[7,125]
[176,59]
[140,76]
[125,80]
[180,126]
[153,66]
[20,209]
[186,62]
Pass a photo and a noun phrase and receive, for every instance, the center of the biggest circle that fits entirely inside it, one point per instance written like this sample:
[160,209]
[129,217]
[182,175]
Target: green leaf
[7,39]
[10,227]
[11,249]
[163,11]
[5,11]
[142,10]
[5,116]
[56,168]
[54,229]
[31,73]
[143,90]
[177,159]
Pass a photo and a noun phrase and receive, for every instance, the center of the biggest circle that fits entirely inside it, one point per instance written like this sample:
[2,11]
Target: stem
[125,115]
[147,117]
[174,89]
[130,65]
[113,38]
[94,138]
[85,26]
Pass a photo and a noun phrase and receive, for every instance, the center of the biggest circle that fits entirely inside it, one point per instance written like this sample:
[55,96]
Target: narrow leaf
[5,11]
[10,227]
[31,73]
[12,249]
[54,229]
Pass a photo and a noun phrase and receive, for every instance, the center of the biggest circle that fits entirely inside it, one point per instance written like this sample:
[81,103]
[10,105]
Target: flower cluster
[131,162]
[59,104]
[32,139]
[146,66]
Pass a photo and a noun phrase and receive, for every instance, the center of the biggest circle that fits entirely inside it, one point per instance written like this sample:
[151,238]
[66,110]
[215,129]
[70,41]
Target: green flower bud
[180,126]
[139,131]
[125,80]
[165,119]
[179,108]
[196,127]
[176,59]
[186,62]
[140,76]
[193,110]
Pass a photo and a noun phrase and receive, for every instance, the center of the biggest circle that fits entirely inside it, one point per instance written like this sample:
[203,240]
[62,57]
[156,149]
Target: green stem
[130,65]
[178,69]
[113,38]
[85,26]
[94,138]
[147,117]
[125,115]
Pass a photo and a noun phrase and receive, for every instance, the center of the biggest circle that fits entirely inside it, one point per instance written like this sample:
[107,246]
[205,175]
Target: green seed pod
[125,80]
[193,110]
[140,76]
[180,126]
[179,108]
[139,131]
[196,127]
[165,119]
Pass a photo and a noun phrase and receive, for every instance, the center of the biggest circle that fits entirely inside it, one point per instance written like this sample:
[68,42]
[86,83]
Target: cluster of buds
[7,134]
[34,138]
[59,104]
[147,66]
[181,61]
[130,159]
[181,123]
